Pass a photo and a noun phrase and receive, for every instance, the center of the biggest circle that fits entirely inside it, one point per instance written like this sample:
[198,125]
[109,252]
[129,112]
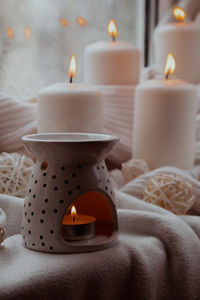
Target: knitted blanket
[157,256]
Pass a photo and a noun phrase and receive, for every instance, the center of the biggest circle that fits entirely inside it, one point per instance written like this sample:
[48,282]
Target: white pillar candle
[70,107]
[164,123]
[183,40]
[112,62]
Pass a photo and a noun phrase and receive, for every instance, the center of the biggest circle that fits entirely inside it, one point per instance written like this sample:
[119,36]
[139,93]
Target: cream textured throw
[17,118]
[157,257]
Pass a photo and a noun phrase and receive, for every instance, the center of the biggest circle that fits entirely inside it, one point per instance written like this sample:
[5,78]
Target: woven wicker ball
[134,168]
[170,192]
[15,172]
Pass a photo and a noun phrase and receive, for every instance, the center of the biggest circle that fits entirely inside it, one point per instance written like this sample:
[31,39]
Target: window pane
[38,37]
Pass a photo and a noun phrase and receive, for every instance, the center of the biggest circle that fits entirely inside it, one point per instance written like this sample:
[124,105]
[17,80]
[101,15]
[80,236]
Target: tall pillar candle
[164,123]
[183,40]
[114,68]
[112,62]
[70,107]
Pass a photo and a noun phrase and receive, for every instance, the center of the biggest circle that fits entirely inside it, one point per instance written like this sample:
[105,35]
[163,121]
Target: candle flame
[170,65]
[72,67]
[112,29]
[179,13]
[73,212]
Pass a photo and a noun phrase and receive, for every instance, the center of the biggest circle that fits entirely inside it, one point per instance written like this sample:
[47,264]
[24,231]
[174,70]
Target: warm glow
[63,22]
[112,29]
[72,67]
[9,33]
[73,211]
[179,14]
[170,65]
[27,32]
[81,21]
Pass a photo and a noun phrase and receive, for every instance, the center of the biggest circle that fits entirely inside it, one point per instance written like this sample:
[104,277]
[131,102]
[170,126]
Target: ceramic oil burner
[70,202]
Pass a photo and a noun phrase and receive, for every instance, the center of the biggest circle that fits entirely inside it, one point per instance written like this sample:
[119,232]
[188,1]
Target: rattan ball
[170,192]
[15,172]
[134,168]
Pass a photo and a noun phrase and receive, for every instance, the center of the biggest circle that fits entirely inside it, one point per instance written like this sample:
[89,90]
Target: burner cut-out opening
[44,165]
[90,215]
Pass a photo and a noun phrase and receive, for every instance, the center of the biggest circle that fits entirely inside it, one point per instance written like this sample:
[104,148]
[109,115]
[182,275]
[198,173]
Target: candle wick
[73,219]
[70,80]
[113,38]
[167,76]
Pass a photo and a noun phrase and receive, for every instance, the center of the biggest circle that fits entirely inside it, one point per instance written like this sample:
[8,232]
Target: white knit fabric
[17,118]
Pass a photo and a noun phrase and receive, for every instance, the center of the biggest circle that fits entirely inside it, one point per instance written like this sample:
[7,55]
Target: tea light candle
[112,62]
[183,40]
[78,227]
[70,107]
[164,129]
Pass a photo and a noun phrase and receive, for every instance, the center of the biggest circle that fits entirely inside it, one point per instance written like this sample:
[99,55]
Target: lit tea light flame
[179,13]
[73,213]
[112,30]
[72,68]
[170,65]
